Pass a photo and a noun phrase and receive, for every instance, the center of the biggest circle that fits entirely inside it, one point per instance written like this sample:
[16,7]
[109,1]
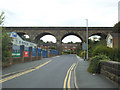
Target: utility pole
[87,37]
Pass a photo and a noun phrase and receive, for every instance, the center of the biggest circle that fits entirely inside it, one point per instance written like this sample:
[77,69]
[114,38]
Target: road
[57,72]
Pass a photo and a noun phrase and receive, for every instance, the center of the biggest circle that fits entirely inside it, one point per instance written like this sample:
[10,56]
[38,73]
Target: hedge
[94,66]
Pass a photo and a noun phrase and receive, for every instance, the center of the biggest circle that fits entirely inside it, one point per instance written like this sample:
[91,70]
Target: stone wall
[111,70]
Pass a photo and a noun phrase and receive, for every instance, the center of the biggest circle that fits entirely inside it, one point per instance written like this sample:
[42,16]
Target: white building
[113,40]
[17,40]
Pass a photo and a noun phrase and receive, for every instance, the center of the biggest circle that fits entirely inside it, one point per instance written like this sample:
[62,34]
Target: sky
[119,11]
[100,13]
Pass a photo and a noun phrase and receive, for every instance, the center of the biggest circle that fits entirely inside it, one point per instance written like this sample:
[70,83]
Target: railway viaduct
[35,33]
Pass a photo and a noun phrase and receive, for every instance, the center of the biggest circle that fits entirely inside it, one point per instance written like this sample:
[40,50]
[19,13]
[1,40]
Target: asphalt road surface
[57,72]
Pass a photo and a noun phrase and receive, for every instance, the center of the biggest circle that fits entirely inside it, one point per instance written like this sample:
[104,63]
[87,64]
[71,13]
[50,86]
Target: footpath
[84,79]
[16,68]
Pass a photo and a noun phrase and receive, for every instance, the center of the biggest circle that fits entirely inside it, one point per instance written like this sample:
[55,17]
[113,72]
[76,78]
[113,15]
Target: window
[65,46]
[16,41]
[110,40]
[19,42]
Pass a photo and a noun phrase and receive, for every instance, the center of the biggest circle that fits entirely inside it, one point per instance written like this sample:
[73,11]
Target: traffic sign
[26,53]
[16,54]
[84,46]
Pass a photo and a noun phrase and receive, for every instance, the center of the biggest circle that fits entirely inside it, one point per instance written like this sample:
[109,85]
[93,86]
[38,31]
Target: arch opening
[46,41]
[97,36]
[70,43]
[74,35]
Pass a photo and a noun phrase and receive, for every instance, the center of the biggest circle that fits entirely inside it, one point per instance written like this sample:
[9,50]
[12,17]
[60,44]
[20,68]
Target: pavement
[22,66]
[84,79]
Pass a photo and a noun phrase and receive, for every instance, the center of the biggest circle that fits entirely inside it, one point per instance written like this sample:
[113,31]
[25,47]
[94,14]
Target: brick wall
[116,42]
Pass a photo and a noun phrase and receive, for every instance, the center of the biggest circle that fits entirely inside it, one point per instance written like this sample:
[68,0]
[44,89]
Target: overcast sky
[60,12]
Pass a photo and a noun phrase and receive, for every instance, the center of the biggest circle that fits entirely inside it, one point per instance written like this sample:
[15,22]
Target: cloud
[60,12]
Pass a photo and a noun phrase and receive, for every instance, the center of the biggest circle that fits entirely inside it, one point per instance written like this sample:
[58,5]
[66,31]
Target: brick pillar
[11,59]
[30,53]
[59,46]
[22,52]
[37,53]
[41,53]
[48,53]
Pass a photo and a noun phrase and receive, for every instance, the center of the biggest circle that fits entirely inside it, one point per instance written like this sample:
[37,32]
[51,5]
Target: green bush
[112,53]
[100,49]
[94,66]
[115,56]
[68,52]
[93,44]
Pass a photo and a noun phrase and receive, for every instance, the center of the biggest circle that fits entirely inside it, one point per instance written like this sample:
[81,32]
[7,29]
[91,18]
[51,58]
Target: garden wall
[111,70]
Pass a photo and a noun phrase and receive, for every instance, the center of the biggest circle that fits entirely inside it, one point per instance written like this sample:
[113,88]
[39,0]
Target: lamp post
[87,37]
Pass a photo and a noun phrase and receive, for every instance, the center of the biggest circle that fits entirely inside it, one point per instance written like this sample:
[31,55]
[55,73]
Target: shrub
[115,56]
[102,50]
[94,66]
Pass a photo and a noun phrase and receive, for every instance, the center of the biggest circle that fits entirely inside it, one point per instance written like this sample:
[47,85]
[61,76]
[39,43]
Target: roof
[115,35]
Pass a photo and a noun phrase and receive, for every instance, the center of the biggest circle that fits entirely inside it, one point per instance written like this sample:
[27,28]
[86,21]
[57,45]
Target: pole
[87,37]
[84,55]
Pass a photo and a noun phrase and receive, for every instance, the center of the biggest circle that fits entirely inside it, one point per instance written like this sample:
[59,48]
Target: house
[17,40]
[68,47]
[113,40]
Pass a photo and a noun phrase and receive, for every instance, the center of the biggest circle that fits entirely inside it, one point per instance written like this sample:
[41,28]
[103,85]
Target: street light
[87,37]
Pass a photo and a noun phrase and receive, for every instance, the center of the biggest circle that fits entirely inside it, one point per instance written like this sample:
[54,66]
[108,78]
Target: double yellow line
[68,77]
[22,73]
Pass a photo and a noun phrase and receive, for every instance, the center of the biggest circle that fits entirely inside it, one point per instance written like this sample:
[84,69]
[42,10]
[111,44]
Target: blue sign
[14,34]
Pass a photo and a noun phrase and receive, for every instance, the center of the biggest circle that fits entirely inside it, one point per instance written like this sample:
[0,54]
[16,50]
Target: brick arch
[43,34]
[59,32]
[21,33]
[71,33]
[102,34]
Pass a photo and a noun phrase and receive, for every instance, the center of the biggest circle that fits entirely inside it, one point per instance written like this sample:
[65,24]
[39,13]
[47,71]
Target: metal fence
[19,51]
[15,51]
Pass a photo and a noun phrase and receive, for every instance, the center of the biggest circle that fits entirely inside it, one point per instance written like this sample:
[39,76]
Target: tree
[6,41]
[117,28]
[52,47]
[2,17]
[93,44]
[70,42]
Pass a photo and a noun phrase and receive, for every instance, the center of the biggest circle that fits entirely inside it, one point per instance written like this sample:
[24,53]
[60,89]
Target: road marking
[22,73]
[68,77]
[65,81]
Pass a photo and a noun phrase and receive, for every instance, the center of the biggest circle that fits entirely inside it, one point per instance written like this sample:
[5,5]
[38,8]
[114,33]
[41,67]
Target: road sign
[84,46]
[26,53]
[14,34]
[16,54]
